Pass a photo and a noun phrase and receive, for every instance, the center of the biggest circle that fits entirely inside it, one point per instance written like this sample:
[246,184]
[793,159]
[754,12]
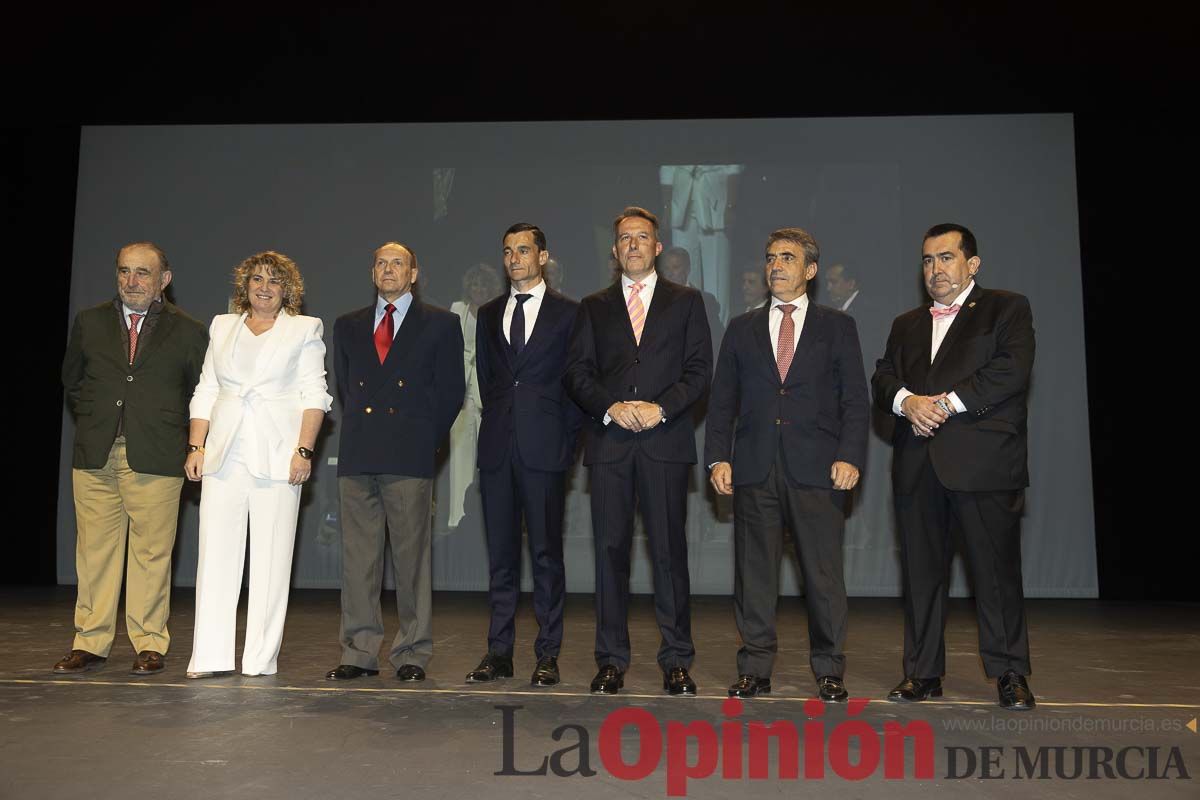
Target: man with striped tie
[640,356]
[790,375]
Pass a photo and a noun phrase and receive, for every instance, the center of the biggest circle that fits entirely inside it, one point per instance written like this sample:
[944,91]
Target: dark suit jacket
[986,357]
[820,413]
[148,399]
[672,367]
[395,414]
[524,394]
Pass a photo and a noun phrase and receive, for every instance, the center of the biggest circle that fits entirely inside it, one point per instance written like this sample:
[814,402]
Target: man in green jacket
[129,372]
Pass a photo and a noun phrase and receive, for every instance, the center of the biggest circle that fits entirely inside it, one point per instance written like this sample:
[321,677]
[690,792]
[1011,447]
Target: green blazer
[146,400]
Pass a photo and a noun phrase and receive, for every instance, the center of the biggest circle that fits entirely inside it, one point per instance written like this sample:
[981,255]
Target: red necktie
[134,319]
[785,348]
[942,313]
[385,333]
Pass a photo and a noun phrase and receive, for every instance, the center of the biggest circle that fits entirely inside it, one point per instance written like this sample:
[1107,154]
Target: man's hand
[923,412]
[299,470]
[922,432]
[843,475]
[193,468]
[648,414]
[625,415]
[721,477]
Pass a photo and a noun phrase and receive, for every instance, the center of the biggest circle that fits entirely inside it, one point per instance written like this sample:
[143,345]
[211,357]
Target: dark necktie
[385,333]
[516,331]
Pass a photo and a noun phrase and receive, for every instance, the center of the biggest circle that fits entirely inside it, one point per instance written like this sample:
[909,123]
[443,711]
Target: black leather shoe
[1014,692]
[750,686]
[491,667]
[677,682]
[78,661]
[914,690]
[831,689]
[608,680]
[410,673]
[348,672]
[546,672]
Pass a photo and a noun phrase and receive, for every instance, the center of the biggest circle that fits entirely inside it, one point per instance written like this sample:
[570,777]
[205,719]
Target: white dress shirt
[940,326]
[129,311]
[531,308]
[775,321]
[402,304]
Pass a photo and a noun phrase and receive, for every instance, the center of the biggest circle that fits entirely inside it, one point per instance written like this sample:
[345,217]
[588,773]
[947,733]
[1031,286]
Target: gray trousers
[399,507]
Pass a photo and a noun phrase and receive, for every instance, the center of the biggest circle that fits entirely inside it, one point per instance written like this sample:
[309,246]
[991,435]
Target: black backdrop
[1122,73]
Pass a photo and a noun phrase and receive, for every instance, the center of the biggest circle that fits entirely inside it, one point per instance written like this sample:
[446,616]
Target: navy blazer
[986,358]
[524,394]
[395,414]
[672,366]
[821,413]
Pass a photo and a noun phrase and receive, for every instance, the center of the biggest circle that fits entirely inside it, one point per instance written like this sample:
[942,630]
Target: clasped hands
[299,471]
[924,412]
[843,475]
[635,415]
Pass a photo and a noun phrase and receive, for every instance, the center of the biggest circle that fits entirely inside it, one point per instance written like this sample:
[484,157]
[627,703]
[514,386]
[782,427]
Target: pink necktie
[943,313]
[133,334]
[785,348]
[637,312]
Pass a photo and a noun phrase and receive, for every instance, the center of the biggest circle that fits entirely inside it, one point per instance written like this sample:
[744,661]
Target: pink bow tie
[942,313]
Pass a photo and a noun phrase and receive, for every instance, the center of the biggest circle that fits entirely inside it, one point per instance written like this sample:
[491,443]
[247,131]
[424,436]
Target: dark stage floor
[1121,677]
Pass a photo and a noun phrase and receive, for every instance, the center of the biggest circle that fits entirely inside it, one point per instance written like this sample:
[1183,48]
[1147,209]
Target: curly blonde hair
[278,266]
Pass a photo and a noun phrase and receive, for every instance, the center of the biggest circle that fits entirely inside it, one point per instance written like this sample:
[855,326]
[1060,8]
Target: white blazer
[288,378]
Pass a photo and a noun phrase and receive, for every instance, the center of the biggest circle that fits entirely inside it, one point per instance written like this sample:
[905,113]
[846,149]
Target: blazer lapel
[271,347]
[163,327]
[665,293]
[410,330]
[814,324]
[761,325]
[496,329]
[548,314]
[615,295]
[226,348]
[961,319]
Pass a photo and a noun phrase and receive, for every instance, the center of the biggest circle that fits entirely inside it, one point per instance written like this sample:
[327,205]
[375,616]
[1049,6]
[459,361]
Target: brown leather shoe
[78,661]
[148,662]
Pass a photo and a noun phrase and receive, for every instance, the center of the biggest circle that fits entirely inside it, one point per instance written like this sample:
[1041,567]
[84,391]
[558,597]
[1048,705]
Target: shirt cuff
[899,398]
[958,404]
[607,418]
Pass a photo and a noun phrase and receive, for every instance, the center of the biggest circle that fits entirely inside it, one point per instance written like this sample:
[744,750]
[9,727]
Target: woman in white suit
[255,416]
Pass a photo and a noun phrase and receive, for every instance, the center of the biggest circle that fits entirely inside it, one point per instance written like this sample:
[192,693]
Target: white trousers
[227,499]
[709,250]
[464,438]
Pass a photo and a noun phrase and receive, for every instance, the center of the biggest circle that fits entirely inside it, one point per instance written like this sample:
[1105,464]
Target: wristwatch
[196,448]
[304,453]
[944,405]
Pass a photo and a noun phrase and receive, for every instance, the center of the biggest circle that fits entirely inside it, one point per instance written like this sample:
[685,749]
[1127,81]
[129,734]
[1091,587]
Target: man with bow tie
[787,437]
[958,371]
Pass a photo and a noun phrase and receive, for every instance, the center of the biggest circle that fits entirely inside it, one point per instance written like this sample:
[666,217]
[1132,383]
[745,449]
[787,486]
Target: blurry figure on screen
[480,284]
[676,266]
[609,272]
[130,432]
[553,275]
[842,287]
[699,200]
[754,288]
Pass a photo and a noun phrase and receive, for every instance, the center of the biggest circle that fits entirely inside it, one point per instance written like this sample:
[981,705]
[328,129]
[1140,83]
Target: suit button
[637,361]
[368,409]
[516,383]
[778,422]
[120,403]
[360,383]
[129,379]
[400,384]
[782,391]
[391,411]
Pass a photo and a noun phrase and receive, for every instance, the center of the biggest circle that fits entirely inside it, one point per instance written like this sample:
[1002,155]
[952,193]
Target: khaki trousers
[113,504]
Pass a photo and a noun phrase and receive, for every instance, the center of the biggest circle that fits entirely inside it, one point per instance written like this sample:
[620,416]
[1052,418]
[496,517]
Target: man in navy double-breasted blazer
[400,381]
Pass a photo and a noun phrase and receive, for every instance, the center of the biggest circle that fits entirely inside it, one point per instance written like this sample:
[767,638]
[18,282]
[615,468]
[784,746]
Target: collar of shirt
[960,298]
[126,311]
[648,283]
[801,303]
[538,292]
[402,304]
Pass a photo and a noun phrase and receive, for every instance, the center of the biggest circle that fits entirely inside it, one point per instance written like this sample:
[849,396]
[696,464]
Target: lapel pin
[971,304]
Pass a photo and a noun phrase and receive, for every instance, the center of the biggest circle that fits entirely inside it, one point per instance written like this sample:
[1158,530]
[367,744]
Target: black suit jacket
[821,413]
[672,367]
[395,414]
[148,399]
[986,358]
[524,394]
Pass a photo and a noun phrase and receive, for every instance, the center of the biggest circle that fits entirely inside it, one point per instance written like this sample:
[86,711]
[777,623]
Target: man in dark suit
[790,375]
[129,371]
[640,356]
[675,264]
[400,383]
[526,442]
[958,372]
